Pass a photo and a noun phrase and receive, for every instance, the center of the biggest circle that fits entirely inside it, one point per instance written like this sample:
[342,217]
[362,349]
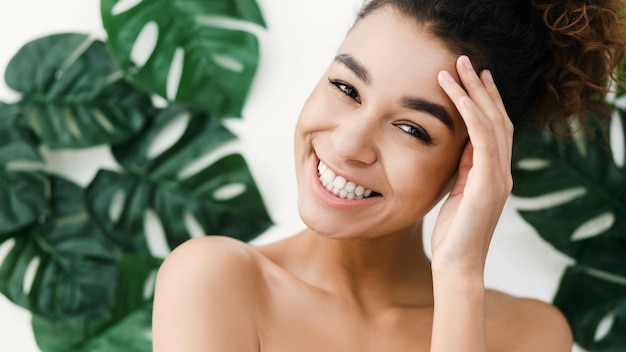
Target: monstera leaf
[23,183]
[61,266]
[73,95]
[192,51]
[179,183]
[125,327]
[81,259]
[583,192]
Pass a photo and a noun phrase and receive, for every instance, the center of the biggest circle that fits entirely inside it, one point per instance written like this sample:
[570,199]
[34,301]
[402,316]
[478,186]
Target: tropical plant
[79,257]
[580,184]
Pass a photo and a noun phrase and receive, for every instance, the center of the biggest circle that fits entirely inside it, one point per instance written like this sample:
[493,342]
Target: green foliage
[78,257]
[73,95]
[125,327]
[22,181]
[200,54]
[75,265]
[587,222]
[163,183]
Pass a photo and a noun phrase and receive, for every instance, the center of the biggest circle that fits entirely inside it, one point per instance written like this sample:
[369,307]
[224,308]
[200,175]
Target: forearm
[459,314]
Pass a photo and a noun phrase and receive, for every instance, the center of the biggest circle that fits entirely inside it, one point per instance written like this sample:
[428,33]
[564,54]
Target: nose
[354,140]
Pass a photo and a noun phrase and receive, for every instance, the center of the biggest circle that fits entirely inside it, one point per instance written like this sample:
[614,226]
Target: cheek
[427,176]
[313,108]
[322,110]
[305,123]
[310,121]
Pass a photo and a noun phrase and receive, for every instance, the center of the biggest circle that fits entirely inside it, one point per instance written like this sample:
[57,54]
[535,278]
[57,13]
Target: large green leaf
[70,263]
[73,95]
[65,335]
[560,166]
[8,114]
[125,327]
[591,296]
[23,183]
[131,334]
[220,197]
[583,214]
[131,326]
[201,52]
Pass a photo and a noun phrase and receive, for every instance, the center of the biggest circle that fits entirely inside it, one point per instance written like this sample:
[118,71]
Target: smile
[340,186]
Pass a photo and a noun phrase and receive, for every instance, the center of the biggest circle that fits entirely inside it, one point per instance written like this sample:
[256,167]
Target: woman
[407,112]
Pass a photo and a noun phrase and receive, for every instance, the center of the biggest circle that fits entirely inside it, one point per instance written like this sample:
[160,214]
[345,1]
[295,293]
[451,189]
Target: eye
[417,132]
[346,89]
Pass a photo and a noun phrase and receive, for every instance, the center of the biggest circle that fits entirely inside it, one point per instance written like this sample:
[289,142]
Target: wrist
[450,280]
[452,270]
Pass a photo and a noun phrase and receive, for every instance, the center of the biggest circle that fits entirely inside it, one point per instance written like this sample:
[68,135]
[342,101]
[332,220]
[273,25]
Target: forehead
[388,28]
[400,52]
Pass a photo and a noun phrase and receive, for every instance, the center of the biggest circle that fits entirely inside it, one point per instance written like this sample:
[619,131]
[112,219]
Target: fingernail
[488,76]
[467,63]
[447,76]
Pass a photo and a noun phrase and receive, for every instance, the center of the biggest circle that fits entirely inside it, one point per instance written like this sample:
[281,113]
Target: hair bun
[587,42]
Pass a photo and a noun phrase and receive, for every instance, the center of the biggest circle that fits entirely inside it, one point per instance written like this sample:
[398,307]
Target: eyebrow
[434,109]
[355,66]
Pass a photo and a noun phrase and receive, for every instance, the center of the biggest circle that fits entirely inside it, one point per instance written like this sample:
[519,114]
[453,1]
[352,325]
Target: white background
[300,41]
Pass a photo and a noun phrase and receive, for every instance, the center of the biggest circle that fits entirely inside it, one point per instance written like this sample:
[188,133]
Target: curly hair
[551,60]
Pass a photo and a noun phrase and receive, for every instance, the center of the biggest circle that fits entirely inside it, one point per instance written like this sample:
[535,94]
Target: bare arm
[465,225]
[469,216]
[206,298]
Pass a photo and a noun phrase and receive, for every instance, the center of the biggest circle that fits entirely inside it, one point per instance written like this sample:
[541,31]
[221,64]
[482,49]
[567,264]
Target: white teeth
[339,182]
[327,177]
[339,186]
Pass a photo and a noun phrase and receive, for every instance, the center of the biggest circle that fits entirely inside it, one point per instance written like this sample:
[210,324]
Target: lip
[330,199]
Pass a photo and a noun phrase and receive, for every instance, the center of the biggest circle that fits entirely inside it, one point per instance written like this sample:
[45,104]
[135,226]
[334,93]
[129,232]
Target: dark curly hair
[551,60]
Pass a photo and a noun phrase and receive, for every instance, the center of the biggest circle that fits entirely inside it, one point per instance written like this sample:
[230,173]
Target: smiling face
[378,141]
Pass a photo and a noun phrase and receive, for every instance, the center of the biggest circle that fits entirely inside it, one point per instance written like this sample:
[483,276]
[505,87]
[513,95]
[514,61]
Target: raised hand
[469,216]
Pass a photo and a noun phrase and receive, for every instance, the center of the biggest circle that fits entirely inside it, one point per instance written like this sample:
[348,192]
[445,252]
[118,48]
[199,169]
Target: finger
[482,140]
[457,94]
[492,89]
[488,155]
[490,86]
[477,129]
[476,89]
[485,94]
[485,101]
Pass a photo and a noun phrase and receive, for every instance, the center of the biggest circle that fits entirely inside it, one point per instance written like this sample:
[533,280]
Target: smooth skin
[357,278]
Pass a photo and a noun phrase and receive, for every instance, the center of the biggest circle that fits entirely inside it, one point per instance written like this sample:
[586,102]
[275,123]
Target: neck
[392,270]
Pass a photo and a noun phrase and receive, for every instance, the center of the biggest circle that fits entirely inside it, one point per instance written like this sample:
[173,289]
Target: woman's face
[379,122]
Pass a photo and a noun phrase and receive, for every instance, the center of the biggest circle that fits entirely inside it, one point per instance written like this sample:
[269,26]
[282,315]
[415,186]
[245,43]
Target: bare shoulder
[205,262]
[523,324]
[213,251]
[208,296]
